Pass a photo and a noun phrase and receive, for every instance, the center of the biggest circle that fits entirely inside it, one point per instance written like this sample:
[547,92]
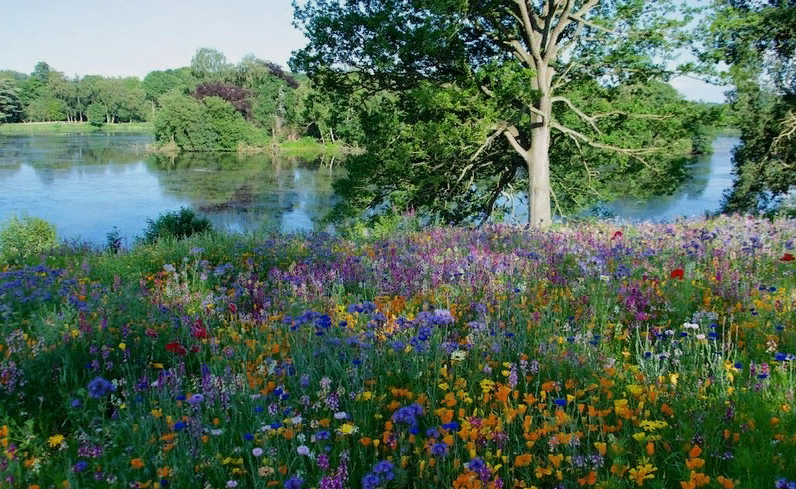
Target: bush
[210,124]
[25,237]
[180,225]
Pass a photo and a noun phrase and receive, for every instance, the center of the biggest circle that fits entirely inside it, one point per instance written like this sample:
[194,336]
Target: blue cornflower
[561,402]
[179,426]
[432,433]
[248,437]
[80,466]
[384,467]
[439,449]
[451,426]
[780,357]
[322,435]
[370,481]
[739,365]
[76,403]
[294,483]
[477,464]
[99,387]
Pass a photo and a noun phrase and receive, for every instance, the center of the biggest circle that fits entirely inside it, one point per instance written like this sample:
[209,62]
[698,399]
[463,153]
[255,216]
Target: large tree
[208,63]
[492,85]
[10,106]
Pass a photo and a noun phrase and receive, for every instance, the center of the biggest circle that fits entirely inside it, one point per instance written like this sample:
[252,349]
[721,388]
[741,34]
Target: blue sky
[134,37]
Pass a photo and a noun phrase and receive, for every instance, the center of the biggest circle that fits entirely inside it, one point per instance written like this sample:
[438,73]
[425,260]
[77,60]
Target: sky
[132,38]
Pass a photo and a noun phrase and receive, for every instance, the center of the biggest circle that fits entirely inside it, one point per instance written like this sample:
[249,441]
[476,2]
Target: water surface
[88,183]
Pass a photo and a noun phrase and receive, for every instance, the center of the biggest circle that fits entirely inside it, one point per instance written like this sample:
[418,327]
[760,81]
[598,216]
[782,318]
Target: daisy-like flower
[232,483]
[55,440]
[257,452]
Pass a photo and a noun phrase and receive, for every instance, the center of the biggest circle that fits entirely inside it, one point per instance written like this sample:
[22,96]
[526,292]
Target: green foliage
[211,124]
[96,114]
[208,63]
[10,105]
[456,113]
[756,40]
[178,225]
[46,109]
[25,237]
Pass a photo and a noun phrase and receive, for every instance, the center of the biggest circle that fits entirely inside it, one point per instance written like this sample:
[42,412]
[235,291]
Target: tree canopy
[563,97]
[758,42]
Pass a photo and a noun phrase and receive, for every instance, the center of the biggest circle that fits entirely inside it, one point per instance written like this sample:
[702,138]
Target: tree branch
[635,154]
[581,114]
[577,18]
[551,41]
[530,34]
[505,178]
[514,143]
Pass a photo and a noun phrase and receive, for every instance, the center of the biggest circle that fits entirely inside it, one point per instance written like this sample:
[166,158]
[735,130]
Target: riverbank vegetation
[586,355]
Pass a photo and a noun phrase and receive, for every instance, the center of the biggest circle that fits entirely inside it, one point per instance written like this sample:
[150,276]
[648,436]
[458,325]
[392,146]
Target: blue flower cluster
[382,473]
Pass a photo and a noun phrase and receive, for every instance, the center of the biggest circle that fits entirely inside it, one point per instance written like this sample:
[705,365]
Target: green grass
[64,127]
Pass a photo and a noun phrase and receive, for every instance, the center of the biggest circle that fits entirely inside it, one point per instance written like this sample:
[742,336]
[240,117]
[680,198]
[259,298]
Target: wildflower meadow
[588,355]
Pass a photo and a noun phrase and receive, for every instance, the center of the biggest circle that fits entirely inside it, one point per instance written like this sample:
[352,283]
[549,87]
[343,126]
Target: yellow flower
[122,346]
[347,429]
[55,440]
[642,473]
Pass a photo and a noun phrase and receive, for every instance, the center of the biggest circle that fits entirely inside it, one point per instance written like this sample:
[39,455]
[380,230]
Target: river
[88,183]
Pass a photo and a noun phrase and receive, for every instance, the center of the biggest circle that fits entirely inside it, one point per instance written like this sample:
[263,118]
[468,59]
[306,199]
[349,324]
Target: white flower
[340,415]
[458,355]
[297,420]
[303,450]
[700,336]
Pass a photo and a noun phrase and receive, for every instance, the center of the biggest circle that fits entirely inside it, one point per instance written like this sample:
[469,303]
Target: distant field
[50,127]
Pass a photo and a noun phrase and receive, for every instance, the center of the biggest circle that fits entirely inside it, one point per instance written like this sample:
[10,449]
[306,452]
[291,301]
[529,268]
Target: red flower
[199,332]
[195,348]
[787,257]
[151,333]
[617,235]
[233,308]
[677,273]
[175,347]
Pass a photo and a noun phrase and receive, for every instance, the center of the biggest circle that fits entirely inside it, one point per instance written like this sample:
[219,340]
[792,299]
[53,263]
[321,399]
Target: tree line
[210,105]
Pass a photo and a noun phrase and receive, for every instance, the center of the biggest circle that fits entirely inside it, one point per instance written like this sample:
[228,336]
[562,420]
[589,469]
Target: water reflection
[89,183]
[710,176]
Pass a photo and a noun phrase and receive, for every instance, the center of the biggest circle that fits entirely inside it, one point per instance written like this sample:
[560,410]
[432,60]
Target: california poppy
[787,257]
[678,273]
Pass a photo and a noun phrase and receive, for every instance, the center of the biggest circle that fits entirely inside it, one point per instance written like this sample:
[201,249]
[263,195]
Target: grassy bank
[306,147]
[589,355]
[64,127]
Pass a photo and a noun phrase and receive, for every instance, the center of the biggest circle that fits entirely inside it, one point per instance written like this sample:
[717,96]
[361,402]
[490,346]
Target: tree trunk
[538,155]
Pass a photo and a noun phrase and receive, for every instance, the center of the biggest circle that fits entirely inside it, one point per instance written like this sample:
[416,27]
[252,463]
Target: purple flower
[196,399]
